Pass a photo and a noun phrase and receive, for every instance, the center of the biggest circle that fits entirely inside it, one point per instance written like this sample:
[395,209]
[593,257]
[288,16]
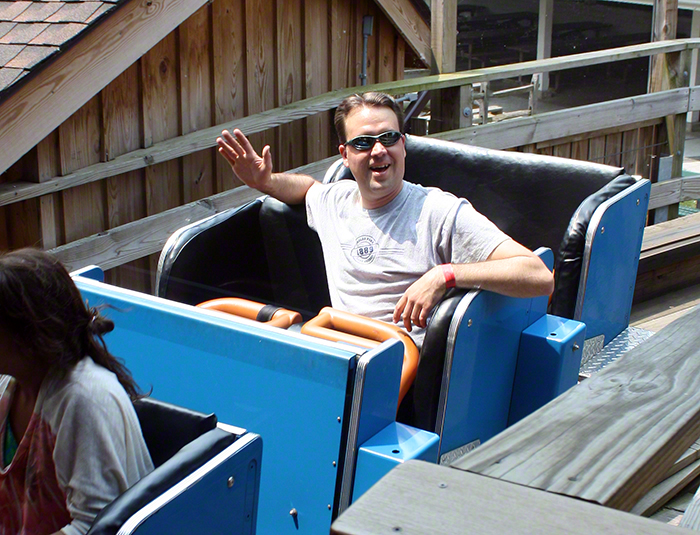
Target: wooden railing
[147,236]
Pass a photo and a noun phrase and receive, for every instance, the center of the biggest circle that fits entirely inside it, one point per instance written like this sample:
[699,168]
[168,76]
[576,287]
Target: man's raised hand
[252,169]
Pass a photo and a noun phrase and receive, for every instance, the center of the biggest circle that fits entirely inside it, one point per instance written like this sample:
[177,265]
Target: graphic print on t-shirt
[365,249]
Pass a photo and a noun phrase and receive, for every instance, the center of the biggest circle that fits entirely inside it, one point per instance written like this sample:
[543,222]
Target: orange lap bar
[340,326]
[245,308]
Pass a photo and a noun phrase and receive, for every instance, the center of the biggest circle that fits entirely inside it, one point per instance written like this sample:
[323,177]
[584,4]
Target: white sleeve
[474,236]
[94,443]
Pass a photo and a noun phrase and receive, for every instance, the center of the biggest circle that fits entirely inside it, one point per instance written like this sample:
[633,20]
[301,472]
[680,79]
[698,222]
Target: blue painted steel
[548,363]
[613,264]
[289,388]
[380,394]
[393,445]
[540,304]
[481,382]
[210,505]
[90,272]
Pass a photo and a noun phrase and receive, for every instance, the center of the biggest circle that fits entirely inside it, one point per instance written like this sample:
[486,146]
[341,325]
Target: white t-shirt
[83,447]
[373,256]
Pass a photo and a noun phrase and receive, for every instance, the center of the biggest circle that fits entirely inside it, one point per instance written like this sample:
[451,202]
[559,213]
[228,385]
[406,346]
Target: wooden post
[544,38]
[693,116]
[445,105]
[670,71]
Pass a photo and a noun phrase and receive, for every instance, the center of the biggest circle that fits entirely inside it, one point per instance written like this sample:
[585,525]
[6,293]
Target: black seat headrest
[167,428]
[184,462]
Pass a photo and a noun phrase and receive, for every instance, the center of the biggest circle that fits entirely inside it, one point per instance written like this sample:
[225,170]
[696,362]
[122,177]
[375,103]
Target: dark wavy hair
[371,99]
[48,319]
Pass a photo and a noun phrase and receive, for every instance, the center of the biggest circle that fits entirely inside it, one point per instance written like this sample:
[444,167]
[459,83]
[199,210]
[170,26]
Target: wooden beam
[544,38]
[570,122]
[666,490]
[513,133]
[409,23]
[674,191]
[46,100]
[421,497]
[145,236]
[611,438]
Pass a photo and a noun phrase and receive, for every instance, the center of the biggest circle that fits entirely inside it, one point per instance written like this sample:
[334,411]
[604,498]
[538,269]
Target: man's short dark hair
[371,99]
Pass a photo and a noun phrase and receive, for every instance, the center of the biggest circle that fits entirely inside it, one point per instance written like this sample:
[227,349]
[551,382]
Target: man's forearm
[519,276]
[288,188]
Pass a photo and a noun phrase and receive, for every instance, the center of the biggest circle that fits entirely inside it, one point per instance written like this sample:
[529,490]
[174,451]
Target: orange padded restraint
[245,308]
[340,326]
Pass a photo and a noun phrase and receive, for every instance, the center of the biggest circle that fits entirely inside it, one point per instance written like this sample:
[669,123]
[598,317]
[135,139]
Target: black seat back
[180,441]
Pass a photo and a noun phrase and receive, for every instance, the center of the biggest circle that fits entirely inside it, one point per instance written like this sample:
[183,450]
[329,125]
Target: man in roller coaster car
[392,248]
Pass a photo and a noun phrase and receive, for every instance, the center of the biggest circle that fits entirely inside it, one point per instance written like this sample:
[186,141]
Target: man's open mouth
[379,168]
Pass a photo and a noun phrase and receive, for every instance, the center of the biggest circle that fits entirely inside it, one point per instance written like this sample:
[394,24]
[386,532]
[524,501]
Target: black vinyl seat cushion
[180,441]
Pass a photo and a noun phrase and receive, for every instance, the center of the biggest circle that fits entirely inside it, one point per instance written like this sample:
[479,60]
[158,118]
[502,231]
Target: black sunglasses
[367,142]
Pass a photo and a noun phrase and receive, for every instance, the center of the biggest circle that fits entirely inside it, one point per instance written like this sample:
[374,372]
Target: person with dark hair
[391,248]
[71,440]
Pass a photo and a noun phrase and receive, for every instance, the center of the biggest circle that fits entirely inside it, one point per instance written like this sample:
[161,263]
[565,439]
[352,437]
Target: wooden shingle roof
[31,32]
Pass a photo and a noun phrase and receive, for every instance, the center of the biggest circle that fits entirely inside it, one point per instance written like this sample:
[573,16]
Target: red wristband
[449,276]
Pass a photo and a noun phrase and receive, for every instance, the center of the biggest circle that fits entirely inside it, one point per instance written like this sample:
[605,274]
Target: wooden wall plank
[647,139]
[579,150]
[317,76]
[613,149]
[229,75]
[198,170]
[49,166]
[596,149]
[24,230]
[79,141]
[342,43]
[386,54]
[161,114]
[126,193]
[400,63]
[260,41]
[630,157]
[563,150]
[642,410]
[291,142]
[81,71]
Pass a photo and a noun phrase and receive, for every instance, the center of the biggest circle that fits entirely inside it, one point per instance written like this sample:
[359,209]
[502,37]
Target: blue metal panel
[393,445]
[380,393]
[548,363]
[605,301]
[481,380]
[540,304]
[90,272]
[210,504]
[287,387]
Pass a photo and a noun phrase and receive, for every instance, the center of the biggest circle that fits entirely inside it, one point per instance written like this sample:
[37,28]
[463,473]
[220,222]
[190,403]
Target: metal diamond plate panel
[621,344]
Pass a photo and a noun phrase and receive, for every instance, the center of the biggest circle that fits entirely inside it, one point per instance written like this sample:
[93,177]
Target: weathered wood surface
[420,498]
[76,75]
[569,122]
[674,191]
[514,133]
[658,496]
[611,438]
[691,517]
[145,236]
[411,25]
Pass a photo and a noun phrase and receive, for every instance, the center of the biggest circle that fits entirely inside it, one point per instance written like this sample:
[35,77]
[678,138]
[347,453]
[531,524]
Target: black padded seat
[294,258]
[263,251]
